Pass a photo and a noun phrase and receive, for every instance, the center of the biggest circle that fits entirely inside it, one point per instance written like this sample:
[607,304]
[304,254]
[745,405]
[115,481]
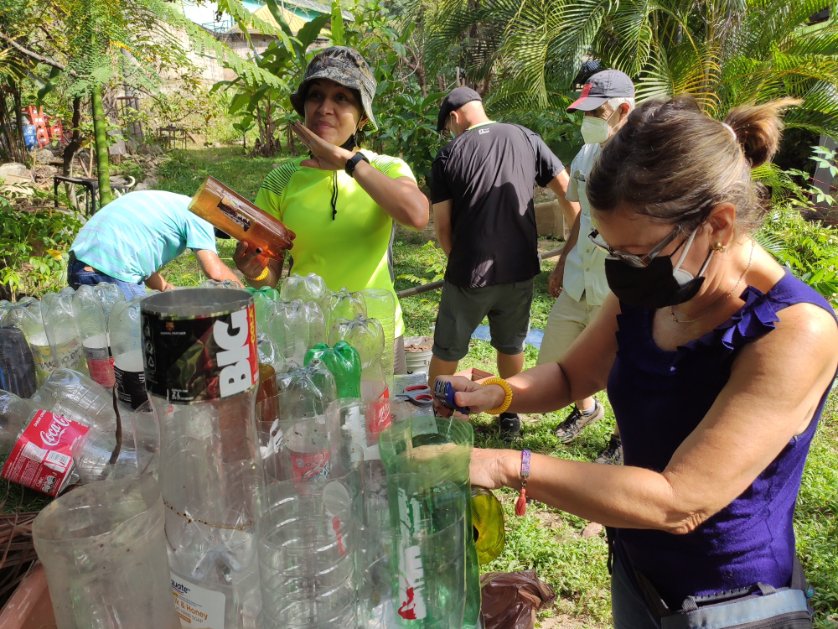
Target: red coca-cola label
[306,466]
[378,415]
[193,360]
[100,365]
[42,457]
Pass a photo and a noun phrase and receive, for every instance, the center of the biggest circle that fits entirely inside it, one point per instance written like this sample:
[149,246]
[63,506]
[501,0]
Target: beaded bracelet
[507,390]
[521,503]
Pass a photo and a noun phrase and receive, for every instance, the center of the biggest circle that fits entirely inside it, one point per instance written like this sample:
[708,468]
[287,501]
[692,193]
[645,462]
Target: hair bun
[758,128]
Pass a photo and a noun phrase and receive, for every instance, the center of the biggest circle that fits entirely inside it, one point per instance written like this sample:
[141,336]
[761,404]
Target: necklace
[726,295]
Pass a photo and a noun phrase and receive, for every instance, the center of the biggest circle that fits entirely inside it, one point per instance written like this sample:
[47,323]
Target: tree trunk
[21,146]
[75,138]
[100,124]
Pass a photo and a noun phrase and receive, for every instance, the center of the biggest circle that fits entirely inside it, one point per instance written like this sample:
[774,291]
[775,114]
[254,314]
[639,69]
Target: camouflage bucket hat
[342,65]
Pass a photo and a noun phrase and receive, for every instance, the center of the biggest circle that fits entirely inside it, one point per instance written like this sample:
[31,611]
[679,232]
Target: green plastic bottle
[344,363]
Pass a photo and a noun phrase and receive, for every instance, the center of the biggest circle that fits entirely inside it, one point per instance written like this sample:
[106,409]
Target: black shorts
[462,309]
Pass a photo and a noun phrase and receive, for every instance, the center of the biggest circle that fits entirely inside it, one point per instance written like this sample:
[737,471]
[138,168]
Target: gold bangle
[261,276]
[507,398]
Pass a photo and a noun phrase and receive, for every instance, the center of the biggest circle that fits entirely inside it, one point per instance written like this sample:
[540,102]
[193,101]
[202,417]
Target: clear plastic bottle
[62,333]
[93,331]
[344,304]
[309,287]
[295,327]
[109,295]
[201,365]
[367,336]
[127,349]
[75,396]
[26,317]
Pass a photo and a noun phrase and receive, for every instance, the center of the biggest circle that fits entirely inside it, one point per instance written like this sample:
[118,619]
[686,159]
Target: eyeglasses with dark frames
[631,258]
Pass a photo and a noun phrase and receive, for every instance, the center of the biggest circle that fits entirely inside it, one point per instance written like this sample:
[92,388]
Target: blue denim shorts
[78,276]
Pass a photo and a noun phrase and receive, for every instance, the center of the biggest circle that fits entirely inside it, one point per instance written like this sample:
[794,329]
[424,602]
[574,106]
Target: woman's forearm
[619,496]
[400,198]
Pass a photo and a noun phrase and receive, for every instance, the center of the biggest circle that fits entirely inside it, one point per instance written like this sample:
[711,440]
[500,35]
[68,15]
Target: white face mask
[682,276]
[595,130]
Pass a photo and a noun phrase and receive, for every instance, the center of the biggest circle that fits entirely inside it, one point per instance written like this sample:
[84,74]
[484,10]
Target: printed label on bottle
[411,572]
[42,457]
[44,363]
[130,387]
[69,354]
[308,446]
[378,414]
[198,607]
[193,360]
[100,365]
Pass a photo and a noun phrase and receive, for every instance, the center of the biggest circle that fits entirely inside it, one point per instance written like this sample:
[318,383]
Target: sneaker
[613,453]
[510,426]
[573,424]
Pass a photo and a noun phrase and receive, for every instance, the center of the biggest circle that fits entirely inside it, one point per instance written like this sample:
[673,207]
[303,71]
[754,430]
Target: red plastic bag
[510,599]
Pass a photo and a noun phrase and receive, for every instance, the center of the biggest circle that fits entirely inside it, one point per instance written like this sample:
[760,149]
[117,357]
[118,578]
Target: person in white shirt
[578,281]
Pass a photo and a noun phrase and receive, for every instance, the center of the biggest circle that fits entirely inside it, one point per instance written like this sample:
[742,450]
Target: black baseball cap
[602,86]
[456,98]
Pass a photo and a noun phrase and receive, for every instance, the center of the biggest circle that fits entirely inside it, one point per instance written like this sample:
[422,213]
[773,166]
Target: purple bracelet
[521,503]
[525,465]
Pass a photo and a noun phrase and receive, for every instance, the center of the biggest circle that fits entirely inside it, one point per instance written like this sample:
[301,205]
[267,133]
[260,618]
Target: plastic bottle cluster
[287,494]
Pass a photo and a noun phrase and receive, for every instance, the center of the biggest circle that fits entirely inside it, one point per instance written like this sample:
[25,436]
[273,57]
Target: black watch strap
[353,161]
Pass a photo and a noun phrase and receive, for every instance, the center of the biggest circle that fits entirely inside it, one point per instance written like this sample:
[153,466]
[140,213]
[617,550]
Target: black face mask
[652,286]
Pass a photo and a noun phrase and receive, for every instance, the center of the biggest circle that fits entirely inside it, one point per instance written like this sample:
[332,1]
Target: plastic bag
[510,599]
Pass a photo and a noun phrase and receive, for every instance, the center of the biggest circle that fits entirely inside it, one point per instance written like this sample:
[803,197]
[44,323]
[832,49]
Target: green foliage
[405,106]
[32,246]
[432,261]
[809,248]
[265,106]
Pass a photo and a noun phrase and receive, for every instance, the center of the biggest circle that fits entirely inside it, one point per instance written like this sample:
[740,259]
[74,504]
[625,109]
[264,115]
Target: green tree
[723,52]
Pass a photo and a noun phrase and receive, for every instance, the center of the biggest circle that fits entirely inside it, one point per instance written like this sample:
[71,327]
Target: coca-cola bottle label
[378,415]
[100,365]
[42,457]
[191,360]
[197,606]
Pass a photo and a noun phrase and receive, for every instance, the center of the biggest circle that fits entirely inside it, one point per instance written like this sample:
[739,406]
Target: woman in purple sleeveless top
[717,362]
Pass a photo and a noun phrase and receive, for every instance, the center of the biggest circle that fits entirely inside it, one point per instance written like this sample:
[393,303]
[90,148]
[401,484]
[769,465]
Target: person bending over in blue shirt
[132,237]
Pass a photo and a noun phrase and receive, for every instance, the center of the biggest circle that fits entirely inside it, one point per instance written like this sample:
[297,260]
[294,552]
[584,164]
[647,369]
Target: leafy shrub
[808,247]
[33,243]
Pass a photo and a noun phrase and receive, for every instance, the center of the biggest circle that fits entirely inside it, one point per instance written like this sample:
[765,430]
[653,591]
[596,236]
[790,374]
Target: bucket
[417,352]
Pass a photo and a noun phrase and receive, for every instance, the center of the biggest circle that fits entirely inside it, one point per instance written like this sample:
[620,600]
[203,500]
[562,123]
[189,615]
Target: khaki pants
[567,319]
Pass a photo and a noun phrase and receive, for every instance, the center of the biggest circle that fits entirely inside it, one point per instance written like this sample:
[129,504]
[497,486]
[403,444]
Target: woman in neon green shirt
[340,201]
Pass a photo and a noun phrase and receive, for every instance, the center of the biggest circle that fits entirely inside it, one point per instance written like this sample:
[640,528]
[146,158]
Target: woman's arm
[400,198]
[775,387]
[583,371]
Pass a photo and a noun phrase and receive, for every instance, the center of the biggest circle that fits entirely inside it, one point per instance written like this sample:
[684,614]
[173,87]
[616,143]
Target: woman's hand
[487,468]
[472,395]
[249,260]
[324,155]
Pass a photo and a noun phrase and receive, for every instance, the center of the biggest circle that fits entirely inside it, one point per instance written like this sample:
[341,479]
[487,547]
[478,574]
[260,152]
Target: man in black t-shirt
[482,194]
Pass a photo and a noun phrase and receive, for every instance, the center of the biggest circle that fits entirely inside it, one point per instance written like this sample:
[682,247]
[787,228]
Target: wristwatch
[353,161]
